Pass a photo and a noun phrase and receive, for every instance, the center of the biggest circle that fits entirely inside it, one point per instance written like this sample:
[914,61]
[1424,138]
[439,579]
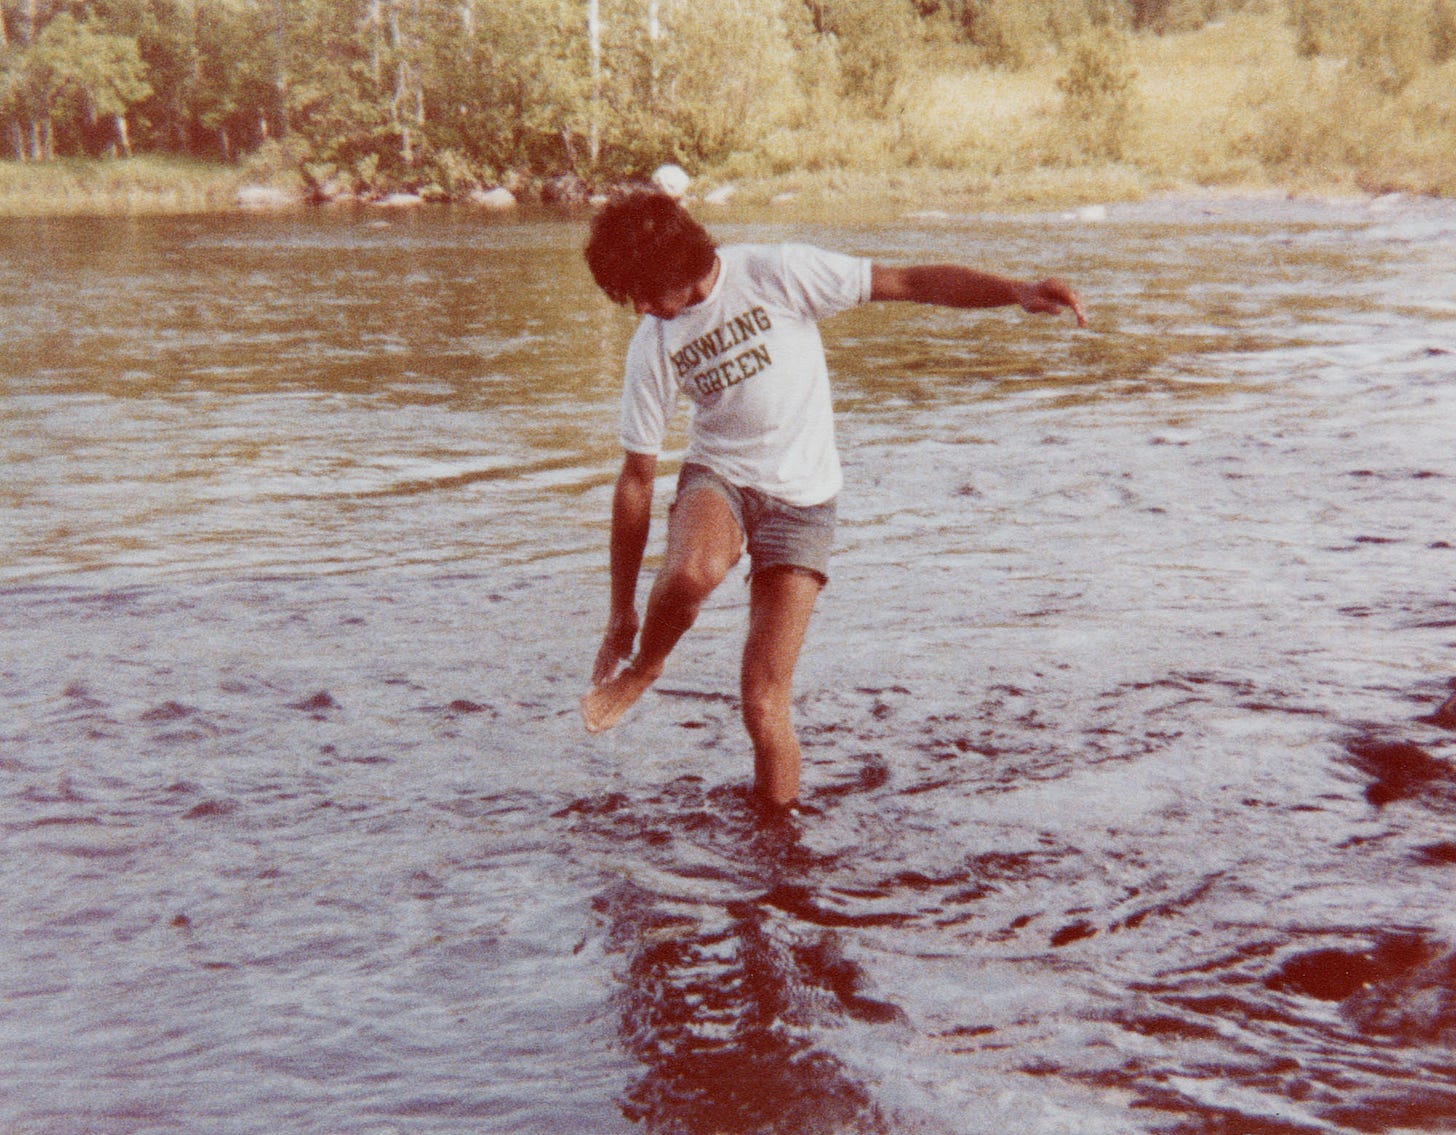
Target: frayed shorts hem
[778,534]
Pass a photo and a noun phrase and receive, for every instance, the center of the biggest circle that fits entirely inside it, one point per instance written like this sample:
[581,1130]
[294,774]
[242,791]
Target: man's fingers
[616,645]
[1071,299]
[606,664]
[611,653]
[1056,297]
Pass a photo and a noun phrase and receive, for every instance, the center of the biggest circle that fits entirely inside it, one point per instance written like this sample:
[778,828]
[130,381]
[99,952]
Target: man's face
[668,304]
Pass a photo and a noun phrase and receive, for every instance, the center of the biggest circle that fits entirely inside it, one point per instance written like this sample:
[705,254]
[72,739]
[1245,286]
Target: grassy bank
[134,185]
[1232,106]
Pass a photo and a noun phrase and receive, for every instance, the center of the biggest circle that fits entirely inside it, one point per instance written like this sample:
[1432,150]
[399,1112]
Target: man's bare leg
[781,603]
[703,543]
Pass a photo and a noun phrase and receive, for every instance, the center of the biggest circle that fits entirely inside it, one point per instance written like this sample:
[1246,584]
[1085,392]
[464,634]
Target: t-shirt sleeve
[649,394]
[818,283]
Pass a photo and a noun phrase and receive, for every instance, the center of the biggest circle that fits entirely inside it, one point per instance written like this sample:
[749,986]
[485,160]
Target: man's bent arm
[631,519]
[953,285]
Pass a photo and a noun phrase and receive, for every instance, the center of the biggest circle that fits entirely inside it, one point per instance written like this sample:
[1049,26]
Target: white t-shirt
[751,362]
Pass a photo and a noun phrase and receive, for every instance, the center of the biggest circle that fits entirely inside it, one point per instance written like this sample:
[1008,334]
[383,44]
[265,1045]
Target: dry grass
[133,185]
[1195,109]
[1231,105]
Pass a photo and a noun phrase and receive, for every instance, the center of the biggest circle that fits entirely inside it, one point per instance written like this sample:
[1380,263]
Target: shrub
[1443,31]
[1391,40]
[1099,96]
[1331,123]
[1007,34]
[873,42]
[1390,45]
[454,173]
[1016,34]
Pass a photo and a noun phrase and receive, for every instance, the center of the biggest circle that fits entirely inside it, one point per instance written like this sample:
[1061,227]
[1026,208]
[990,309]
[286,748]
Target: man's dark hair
[644,244]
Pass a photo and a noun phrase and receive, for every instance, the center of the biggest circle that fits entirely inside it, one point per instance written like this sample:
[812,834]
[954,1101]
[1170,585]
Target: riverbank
[152,186]
[1233,107]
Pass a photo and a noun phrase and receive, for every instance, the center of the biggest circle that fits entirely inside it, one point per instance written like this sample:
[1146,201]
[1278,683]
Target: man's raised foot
[603,706]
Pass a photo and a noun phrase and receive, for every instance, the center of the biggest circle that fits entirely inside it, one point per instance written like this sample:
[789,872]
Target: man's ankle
[651,672]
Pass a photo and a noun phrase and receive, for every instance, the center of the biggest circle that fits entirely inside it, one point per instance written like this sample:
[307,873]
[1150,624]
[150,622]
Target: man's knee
[703,542]
[693,578]
[766,705]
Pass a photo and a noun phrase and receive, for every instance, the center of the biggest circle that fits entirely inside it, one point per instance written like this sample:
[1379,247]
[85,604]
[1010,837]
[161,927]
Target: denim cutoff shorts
[779,534]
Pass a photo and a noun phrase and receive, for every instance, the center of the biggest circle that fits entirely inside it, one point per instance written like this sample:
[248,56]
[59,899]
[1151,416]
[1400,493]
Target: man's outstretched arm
[631,518]
[952,285]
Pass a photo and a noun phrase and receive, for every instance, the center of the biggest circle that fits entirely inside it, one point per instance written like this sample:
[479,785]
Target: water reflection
[723,993]
[434,361]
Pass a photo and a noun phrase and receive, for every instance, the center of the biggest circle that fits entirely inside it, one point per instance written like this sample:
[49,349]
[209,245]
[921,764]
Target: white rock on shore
[266,197]
[498,198]
[671,179]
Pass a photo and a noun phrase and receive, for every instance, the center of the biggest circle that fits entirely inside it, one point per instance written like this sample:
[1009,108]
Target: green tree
[703,80]
[161,36]
[75,79]
[228,82]
[11,89]
[331,75]
[506,87]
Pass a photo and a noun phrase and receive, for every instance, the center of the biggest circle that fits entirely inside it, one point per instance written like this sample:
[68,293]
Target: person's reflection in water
[720,1003]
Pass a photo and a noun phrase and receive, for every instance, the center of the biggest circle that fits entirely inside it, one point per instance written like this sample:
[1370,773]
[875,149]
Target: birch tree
[74,78]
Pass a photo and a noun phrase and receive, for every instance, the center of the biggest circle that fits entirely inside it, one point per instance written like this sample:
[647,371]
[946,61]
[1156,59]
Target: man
[735,329]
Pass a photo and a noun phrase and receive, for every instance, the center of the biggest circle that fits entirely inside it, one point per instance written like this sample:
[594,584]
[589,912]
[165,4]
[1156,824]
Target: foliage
[508,90]
[1169,16]
[73,79]
[690,93]
[1391,41]
[1008,34]
[1443,30]
[1099,95]
[873,42]
[1321,123]
[446,96]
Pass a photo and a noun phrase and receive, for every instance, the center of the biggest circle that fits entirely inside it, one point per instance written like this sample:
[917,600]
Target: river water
[1128,804]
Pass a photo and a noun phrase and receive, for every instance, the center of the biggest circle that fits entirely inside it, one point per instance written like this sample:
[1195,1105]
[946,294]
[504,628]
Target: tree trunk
[594,43]
[123,135]
[374,27]
[401,89]
[280,68]
[654,34]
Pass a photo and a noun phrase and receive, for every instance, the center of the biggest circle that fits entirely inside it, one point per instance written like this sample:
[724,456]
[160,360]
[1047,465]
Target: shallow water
[1128,807]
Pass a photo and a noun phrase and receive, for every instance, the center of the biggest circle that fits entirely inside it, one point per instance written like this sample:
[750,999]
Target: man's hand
[1052,297]
[616,645]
